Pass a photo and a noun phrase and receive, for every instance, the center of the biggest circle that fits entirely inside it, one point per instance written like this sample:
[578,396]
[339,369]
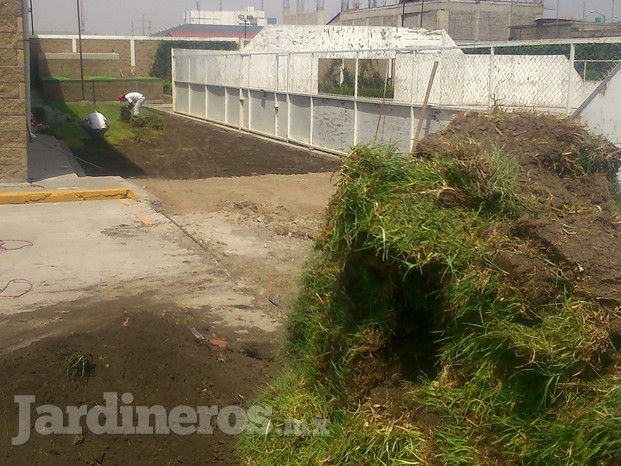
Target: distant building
[241,24]
[464,20]
[302,17]
[229,18]
[551,28]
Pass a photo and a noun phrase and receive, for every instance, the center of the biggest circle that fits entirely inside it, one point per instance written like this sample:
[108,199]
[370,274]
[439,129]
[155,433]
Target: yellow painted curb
[32,197]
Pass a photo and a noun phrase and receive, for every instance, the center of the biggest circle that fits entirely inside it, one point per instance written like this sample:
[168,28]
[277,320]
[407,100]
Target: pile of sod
[435,324]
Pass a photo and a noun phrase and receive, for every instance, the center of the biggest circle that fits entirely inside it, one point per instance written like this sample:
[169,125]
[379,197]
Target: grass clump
[78,364]
[421,346]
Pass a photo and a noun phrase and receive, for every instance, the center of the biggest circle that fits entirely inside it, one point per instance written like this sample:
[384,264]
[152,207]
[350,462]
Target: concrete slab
[52,254]
[82,249]
[48,158]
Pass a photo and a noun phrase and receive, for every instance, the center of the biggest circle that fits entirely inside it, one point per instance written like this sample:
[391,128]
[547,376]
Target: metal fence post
[288,90]
[173,81]
[189,85]
[312,100]
[356,69]
[240,91]
[412,113]
[570,80]
[249,94]
[277,66]
[206,89]
[490,79]
[226,93]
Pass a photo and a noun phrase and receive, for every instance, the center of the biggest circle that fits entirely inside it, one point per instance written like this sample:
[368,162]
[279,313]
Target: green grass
[371,92]
[76,136]
[404,282]
[78,364]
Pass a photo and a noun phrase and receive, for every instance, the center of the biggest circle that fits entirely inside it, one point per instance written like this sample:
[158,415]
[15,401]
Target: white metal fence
[335,99]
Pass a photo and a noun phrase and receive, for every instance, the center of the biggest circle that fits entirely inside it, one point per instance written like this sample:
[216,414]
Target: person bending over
[95,124]
[135,101]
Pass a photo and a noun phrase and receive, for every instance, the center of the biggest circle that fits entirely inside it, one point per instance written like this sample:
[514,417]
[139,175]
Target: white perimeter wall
[547,82]
[328,123]
[276,93]
[600,112]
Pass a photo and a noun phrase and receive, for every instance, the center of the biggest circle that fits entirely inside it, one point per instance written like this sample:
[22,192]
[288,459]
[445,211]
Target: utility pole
[583,12]
[556,24]
[422,11]
[32,30]
[78,2]
[81,21]
[143,32]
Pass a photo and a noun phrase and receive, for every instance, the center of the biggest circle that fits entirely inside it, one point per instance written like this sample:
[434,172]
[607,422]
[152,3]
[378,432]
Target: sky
[115,17]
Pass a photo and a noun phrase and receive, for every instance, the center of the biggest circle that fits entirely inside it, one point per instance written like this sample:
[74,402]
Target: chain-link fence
[301,96]
[546,77]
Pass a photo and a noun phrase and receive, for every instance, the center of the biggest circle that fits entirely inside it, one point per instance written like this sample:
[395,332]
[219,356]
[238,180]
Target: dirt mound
[552,152]
[564,173]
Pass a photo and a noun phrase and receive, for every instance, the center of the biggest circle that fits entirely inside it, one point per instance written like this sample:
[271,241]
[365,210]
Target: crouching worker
[134,99]
[95,124]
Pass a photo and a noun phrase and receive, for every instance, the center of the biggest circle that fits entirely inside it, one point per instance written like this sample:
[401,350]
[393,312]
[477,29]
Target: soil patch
[186,149]
[152,354]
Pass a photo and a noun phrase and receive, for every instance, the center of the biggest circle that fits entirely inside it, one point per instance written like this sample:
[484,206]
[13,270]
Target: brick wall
[68,65]
[145,51]
[13,161]
[103,90]
[121,67]
[145,56]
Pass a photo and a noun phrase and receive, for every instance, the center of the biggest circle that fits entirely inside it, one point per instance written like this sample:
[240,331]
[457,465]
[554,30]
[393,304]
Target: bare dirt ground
[186,150]
[255,226]
[259,228]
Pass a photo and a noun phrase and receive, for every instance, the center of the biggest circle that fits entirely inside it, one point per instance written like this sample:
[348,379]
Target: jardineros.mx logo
[117,415]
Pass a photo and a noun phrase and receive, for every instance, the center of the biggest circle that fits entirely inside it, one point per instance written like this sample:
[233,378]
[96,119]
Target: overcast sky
[116,16]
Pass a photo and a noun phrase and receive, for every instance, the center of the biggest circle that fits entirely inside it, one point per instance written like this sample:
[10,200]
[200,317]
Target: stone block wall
[13,161]
[67,65]
[100,90]
[144,55]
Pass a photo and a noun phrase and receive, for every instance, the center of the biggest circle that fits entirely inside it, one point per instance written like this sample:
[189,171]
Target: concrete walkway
[52,167]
